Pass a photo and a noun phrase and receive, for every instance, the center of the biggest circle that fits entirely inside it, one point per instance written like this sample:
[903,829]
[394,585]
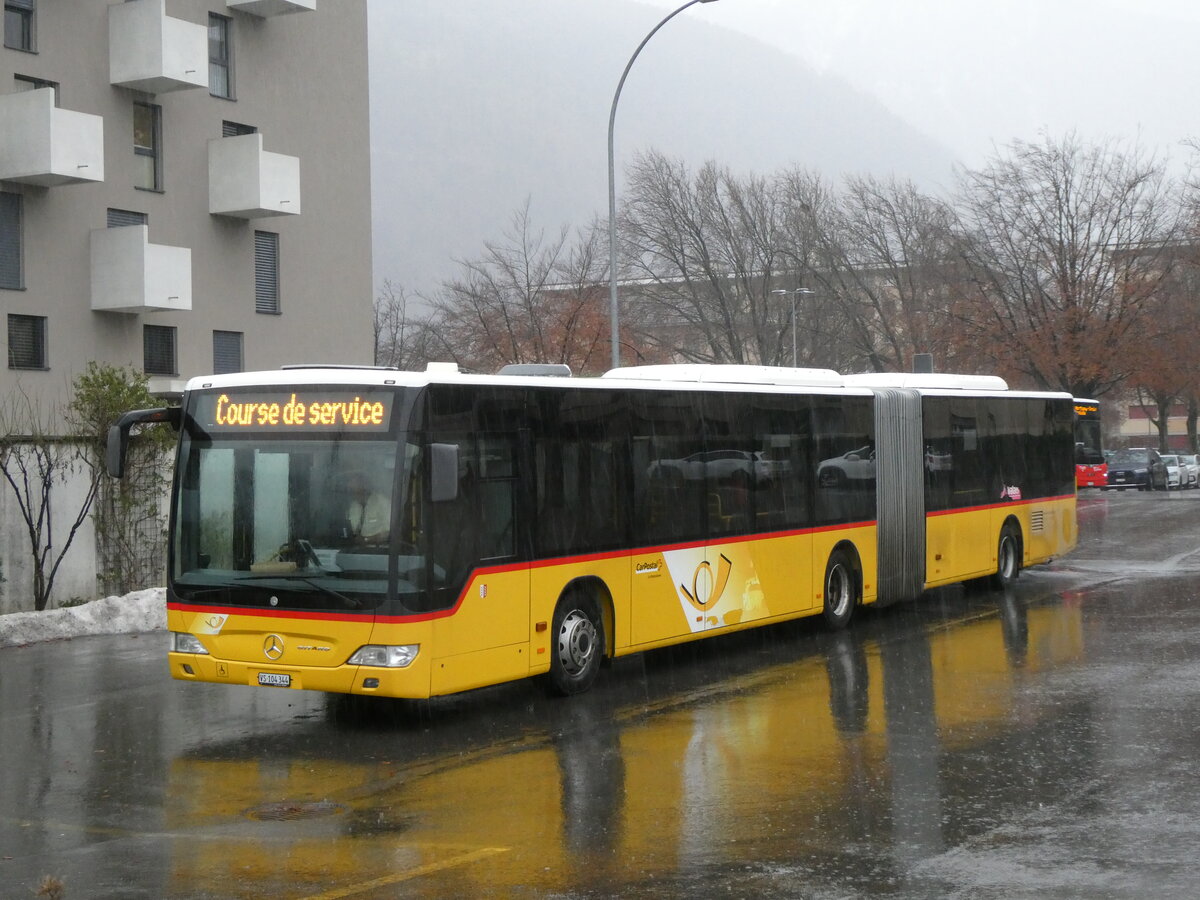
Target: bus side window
[497,490]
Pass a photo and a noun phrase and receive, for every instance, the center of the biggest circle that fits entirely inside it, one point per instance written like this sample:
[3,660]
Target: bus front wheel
[578,644]
[841,590]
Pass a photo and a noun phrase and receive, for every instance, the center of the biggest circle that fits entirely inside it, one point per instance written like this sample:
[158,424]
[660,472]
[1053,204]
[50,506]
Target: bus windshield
[297,523]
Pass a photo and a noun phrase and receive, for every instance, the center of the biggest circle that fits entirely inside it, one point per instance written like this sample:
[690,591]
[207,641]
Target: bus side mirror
[443,475]
[117,445]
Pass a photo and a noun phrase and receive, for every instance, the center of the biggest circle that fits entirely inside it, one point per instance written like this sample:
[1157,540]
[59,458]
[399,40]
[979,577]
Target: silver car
[1176,473]
[1189,463]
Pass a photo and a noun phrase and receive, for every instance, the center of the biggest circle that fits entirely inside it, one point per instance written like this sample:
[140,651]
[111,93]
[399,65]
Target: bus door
[485,637]
[670,466]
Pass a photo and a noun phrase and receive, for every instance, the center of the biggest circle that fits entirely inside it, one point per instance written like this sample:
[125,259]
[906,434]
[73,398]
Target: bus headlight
[182,642]
[398,656]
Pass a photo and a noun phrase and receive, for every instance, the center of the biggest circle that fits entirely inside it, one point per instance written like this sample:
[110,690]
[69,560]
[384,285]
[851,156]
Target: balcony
[131,275]
[151,51]
[266,8]
[247,182]
[166,387]
[41,144]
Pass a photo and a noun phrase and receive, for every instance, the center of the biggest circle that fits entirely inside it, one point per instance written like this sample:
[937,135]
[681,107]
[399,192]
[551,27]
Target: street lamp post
[793,296]
[612,187]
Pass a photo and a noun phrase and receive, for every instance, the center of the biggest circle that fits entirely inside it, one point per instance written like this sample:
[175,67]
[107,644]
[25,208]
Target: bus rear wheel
[1008,556]
[841,590]
[578,644]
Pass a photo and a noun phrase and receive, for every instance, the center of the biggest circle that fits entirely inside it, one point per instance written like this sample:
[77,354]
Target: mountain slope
[477,106]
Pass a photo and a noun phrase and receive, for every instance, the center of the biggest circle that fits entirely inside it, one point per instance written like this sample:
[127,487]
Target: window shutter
[227,352]
[266,272]
[119,218]
[236,129]
[26,342]
[158,345]
[10,241]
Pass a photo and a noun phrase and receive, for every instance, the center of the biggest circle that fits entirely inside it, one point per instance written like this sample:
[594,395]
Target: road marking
[361,887]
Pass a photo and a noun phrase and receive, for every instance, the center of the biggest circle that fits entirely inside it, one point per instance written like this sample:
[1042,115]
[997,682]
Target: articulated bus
[412,534]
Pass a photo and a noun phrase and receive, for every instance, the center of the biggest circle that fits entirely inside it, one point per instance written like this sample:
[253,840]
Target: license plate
[273,679]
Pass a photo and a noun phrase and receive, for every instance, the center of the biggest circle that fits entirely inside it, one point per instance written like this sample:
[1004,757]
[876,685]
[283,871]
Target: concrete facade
[297,80]
[300,80]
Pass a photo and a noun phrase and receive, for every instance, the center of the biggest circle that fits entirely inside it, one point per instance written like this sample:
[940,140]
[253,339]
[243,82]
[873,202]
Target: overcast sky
[976,74]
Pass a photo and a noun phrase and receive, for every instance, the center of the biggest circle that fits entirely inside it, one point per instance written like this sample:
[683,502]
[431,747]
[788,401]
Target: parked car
[1176,474]
[1091,469]
[853,466]
[1137,468]
[1191,463]
[738,466]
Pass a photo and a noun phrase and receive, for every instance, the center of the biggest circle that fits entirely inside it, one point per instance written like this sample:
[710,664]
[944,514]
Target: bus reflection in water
[860,741]
[412,534]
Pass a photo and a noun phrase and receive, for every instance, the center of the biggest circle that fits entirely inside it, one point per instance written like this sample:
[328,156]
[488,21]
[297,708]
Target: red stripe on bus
[1003,504]
[180,606]
[614,554]
[483,572]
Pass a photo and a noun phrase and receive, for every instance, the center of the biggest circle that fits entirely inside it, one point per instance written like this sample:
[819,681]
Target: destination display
[305,411]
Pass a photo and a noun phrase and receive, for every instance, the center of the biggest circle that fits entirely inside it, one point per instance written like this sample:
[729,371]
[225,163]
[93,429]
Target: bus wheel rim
[838,590]
[576,642]
[1008,556]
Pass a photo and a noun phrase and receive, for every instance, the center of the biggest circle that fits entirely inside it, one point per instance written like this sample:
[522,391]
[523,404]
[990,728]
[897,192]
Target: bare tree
[402,331]
[705,254]
[893,263]
[1167,373]
[529,299]
[35,462]
[1056,297]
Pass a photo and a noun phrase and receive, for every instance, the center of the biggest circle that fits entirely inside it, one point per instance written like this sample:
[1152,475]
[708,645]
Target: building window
[236,129]
[227,352]
[11,276]
[19,31]
[266,272]
[158,350]
[27,342]
[220,57]
[147,146]
[29,83]
[119,218]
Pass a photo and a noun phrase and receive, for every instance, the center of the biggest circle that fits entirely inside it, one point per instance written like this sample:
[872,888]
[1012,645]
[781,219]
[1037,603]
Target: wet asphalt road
[1040,743]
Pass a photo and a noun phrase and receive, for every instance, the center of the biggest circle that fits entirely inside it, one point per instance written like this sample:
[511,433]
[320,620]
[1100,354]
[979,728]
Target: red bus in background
[1091,469]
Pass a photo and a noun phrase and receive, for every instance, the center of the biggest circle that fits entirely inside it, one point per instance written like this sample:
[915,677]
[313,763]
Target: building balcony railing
[268,8]
[151,51]
[247,182]
[131,275]
[41,144]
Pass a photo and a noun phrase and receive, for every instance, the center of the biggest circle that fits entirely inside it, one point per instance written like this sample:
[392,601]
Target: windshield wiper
[348,602]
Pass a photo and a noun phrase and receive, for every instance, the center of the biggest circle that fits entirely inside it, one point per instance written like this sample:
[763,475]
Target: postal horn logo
[707,590]
[273,647]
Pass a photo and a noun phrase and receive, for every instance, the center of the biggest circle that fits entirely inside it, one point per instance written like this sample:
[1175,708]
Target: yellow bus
[412,534]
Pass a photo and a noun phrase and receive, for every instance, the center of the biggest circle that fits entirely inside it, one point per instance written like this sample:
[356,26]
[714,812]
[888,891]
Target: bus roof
[729,374]
[940,381]
[693,376]
[688,376]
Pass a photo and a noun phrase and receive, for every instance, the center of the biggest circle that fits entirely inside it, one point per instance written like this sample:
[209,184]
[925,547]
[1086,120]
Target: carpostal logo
[706,588]
[648,568]
[702,586]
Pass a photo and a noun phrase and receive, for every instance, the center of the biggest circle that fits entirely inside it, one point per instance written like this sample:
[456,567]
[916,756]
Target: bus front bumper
[409,682]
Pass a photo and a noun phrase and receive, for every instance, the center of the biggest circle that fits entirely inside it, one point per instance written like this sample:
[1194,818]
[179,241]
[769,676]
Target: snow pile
[137,612]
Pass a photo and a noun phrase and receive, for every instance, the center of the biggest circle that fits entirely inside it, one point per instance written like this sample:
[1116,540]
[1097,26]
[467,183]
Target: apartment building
[184,188]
